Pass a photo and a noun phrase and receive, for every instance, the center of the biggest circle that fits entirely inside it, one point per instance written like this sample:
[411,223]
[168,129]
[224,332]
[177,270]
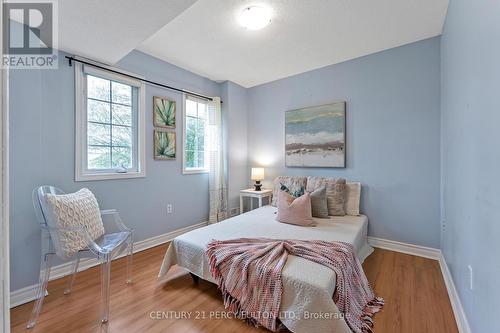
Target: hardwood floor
[416,300]
[413,288]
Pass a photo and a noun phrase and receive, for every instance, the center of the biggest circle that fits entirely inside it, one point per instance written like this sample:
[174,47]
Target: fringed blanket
[248,272]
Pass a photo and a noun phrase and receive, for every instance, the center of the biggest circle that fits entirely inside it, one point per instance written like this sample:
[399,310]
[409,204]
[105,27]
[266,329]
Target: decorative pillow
[75,210]
[299,192]
[295,210]
[319,204]
[315,182]
[293,183]
[352,198]
[335,193]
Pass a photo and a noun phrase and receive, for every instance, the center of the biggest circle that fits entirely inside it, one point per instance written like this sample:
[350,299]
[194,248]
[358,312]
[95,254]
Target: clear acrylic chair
[105,248]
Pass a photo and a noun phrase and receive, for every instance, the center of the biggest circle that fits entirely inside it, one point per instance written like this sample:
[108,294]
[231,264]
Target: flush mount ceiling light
[255,17]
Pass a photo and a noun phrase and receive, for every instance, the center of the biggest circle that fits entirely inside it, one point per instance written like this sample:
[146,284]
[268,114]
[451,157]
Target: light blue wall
[393,123]
[235,100]
[394,131]
[471,156]
[42,152]
[393,140]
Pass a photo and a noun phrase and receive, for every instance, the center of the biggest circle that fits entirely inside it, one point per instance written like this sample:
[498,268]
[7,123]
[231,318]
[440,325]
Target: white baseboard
[456,304]
[28,294]
[435,254]
[416,250]
[23,295]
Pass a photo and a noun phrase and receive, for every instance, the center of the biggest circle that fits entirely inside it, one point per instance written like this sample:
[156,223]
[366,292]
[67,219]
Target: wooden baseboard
[435,254]
[28,294]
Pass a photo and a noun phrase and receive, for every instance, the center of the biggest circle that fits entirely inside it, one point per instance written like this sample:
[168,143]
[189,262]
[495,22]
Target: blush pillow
[295,210]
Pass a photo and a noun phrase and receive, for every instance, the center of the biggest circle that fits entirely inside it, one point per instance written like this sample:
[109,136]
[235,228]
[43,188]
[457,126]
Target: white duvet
[306,304]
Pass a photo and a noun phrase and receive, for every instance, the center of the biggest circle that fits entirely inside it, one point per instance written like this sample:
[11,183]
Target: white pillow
[353,195]
[74,210]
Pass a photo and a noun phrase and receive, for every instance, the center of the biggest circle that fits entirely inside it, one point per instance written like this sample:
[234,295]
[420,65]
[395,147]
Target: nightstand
[251,193]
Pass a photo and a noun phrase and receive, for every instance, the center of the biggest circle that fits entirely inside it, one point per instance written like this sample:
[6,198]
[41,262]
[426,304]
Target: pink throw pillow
[295,210]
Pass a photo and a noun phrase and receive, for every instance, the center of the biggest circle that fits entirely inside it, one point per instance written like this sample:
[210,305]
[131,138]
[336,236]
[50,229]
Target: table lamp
[257,175]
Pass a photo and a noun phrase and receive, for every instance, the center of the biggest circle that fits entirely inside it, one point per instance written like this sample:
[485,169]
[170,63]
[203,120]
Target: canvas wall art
[315,136]
[163,112]
[164,144]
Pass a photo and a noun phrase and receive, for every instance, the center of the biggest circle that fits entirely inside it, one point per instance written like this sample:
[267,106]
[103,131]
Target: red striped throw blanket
[248,272]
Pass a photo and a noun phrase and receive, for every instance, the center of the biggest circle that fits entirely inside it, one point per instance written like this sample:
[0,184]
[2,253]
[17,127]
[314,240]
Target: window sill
[108,176]
[194,171]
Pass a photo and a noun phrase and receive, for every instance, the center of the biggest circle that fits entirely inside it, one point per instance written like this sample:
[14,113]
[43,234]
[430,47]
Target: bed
[307,304]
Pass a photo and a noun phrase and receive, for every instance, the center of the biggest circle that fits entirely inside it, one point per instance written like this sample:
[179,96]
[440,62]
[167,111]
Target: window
[109,125]
[195,157]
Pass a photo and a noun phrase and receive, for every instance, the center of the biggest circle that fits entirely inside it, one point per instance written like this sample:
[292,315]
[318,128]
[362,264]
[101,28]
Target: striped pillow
[335,192]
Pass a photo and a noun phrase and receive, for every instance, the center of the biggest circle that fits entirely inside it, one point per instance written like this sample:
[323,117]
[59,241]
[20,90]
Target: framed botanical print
[164,144]
[163,112]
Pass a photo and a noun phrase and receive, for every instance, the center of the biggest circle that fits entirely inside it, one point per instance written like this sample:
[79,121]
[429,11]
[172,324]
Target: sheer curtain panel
[216,178]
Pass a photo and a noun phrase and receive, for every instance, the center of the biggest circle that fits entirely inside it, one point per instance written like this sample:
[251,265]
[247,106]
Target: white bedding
[307,286]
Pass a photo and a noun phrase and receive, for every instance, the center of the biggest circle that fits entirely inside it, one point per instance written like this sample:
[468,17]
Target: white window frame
[192,171]
[81,171]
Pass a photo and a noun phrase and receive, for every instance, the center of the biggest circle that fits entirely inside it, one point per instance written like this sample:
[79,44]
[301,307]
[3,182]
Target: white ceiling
[108,30]
[303,35]
[204,36]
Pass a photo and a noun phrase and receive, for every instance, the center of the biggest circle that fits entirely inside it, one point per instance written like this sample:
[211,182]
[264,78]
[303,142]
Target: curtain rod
[70,63]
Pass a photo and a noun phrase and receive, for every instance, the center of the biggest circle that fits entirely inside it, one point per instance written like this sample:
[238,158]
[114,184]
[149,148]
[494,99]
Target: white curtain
[216,178]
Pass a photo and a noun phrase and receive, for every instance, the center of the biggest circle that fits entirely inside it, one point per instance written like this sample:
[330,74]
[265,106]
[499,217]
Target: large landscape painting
[315,136]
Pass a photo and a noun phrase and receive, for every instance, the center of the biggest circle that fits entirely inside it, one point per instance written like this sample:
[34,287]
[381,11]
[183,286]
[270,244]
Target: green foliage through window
[195,126]
[110,126]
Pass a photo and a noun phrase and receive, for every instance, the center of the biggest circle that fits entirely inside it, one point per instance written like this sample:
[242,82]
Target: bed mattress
[308,287]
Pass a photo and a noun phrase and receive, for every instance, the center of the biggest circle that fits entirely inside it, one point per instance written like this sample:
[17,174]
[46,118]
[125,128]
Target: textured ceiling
[204,36]
[108,30]
[303,35]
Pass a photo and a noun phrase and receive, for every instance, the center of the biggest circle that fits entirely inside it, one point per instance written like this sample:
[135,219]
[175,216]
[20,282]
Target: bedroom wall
[235,99]
[471,155]
[393,125]
[42,152]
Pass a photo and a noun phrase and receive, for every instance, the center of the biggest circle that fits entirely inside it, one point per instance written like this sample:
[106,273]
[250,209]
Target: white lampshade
[257,174]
